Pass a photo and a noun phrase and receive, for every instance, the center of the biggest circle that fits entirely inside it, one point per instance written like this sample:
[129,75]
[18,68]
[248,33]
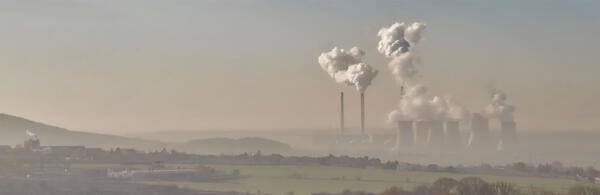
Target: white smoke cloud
[399,38]
[339,59]
[398,42]
[403,67]
[346,67]
[360,75]
[498,108]
[417,105]
[30,134]
[455,110]
[413,33]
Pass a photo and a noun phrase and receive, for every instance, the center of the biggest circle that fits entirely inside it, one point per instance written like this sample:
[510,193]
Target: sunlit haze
[137,66]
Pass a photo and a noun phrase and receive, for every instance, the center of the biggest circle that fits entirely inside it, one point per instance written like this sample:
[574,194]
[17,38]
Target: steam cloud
[358,74]
[398,38]
[498,108]
[30,134]
[346,67]
[417,105]
[398,42]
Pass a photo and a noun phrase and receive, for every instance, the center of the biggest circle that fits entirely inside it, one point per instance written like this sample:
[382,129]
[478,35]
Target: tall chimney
[342,113]
[362,112]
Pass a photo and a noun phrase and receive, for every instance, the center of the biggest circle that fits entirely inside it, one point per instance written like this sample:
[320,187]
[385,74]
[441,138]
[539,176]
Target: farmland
[308,179]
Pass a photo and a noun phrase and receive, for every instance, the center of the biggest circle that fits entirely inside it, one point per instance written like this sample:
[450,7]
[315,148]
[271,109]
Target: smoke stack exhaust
[362,112]
[342,113]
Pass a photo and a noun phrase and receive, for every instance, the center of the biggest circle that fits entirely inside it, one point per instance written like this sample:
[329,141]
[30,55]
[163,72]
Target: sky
[119,66]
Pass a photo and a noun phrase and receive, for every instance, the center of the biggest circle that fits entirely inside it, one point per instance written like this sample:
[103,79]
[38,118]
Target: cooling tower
[480,130]
[508,132]
[436,133]
[342,113]
[362,113]
[452,137]
[421,132]
[405,136]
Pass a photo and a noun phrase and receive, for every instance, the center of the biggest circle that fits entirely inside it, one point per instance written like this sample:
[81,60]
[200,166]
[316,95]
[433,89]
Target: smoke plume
[417,105]
[498,108]
[399,37]
[397,42]
[30,134]
[360,75]
[339,59]
[455,110]
[346,67]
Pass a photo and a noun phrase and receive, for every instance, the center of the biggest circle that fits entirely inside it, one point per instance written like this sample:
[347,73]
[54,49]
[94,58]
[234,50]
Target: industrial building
[452,136]
[436,133]
[421,133]
[480,131]
[508,132]
[32,144]
[405,135]
[447,134]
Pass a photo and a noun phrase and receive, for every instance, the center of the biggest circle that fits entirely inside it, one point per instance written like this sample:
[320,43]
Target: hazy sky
[111,66]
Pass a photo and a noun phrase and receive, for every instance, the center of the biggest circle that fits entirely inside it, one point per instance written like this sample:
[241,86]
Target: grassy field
[308,179]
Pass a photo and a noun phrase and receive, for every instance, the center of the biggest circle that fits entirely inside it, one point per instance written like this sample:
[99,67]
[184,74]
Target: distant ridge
[12,132]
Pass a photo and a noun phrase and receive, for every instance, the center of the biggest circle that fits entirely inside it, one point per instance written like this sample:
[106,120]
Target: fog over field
[574,148]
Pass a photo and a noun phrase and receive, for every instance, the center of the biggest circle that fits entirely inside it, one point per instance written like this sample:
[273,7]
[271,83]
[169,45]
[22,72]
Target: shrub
[584,190]
[443,186]
[474,186]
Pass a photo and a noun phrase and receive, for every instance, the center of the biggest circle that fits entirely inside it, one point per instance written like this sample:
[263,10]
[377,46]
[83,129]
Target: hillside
[12,131]
[234,146]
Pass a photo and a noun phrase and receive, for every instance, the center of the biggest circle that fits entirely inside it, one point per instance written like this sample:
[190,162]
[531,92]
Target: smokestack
[362,112]
[342,113]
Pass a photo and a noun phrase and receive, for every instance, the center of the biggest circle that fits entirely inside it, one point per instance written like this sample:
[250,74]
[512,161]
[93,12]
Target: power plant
[480,131]
[405,135]
[421,132]
[436,133]
[446,133]
[452,136]
[423,120]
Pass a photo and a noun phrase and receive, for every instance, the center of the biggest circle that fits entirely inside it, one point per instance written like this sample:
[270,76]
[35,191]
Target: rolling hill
[12,132]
